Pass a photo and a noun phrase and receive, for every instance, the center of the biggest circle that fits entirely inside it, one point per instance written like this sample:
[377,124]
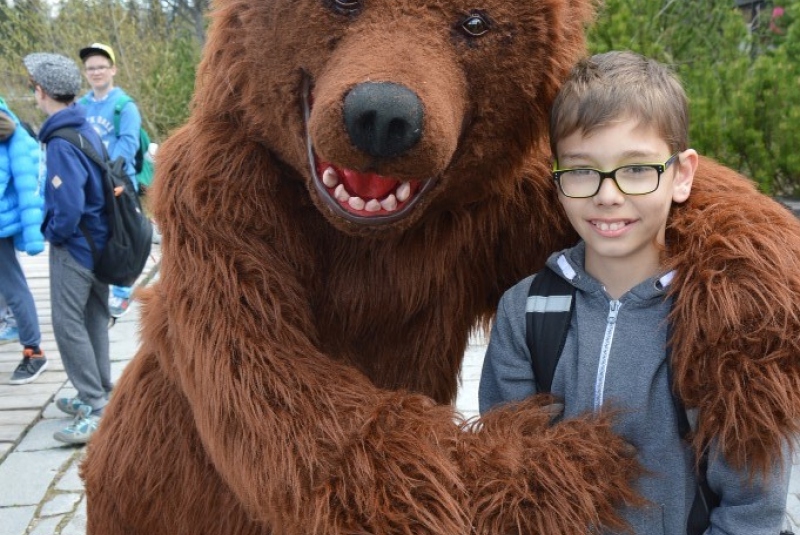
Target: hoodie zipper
[605,349]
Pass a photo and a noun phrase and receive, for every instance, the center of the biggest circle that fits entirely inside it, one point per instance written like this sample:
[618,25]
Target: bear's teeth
[389,203]
[403,192]
[356,203]
[341,194]
[330,177]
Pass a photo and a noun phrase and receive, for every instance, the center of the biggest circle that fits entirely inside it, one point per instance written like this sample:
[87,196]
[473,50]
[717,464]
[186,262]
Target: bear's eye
[346,7]
[475,25]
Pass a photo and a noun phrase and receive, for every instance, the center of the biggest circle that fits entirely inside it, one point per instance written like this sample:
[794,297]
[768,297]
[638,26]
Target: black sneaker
[31,367]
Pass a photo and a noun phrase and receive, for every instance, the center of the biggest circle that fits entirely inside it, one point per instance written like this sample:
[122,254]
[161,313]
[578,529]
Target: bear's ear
[577,13]
[584,10]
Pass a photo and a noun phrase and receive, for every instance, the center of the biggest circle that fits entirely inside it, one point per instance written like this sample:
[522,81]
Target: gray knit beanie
[58,75]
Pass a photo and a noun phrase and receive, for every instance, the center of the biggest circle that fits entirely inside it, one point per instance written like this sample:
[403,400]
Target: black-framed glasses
[632,179]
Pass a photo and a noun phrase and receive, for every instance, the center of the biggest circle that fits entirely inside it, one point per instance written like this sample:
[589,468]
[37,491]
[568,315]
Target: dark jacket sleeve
[66,180]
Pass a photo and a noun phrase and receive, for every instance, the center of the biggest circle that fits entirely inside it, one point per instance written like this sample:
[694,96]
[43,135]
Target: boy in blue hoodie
[100,67]
[619,135]
[20,230]
[74,203]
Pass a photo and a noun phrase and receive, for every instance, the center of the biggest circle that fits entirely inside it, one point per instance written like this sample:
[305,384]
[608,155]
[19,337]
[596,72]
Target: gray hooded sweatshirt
[615,356]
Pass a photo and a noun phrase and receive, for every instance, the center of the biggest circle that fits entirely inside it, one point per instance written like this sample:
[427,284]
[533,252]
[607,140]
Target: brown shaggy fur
[737,317]
[297,364]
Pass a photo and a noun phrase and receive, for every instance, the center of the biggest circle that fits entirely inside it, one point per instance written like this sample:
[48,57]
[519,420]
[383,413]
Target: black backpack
[123,258]
[551,303]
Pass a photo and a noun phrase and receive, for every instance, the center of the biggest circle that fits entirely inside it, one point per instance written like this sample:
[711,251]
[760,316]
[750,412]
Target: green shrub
[743,86]
[157,56]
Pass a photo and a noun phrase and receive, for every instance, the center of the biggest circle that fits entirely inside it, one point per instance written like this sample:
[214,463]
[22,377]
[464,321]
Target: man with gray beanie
[74,211]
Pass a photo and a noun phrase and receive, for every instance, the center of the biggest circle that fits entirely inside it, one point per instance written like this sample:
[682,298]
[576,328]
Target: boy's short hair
[620,85]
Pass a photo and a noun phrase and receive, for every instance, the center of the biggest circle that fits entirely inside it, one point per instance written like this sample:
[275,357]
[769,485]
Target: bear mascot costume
[357,184]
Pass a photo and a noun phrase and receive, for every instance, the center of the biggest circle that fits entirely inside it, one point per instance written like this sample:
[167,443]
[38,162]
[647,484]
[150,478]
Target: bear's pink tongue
[367,185]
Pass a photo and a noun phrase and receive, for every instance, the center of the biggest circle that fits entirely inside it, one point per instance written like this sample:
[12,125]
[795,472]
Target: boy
[627,116]
[74,209]
[100,67]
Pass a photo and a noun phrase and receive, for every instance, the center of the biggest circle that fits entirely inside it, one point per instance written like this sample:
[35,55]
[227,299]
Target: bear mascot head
[358,183]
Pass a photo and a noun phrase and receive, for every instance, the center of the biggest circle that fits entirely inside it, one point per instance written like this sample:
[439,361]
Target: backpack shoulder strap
[548,312]
[121,102]
[75,137]
[705,499]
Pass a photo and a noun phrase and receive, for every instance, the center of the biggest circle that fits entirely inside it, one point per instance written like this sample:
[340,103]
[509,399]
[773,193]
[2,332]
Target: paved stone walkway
[40,490]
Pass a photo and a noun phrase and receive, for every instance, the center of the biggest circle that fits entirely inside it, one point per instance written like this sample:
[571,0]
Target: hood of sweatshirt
[569,265]
[73,117]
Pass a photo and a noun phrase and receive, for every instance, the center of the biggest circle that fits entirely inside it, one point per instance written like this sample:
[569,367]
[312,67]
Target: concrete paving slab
[11,432]
[15,520]
[794,484]
[53,375]
[116,370]
[793,512]
[46,526]
[40,436]
[52,412]
[60,503]
[71,480]
[467,399]
[36,387]
[18,417]
[25,401]
[77,526]
[26,476]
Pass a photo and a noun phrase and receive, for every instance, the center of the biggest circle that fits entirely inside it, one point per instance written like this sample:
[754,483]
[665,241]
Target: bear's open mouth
[363,198]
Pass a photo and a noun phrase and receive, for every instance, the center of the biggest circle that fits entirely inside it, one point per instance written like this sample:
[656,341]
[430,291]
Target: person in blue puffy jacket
[21,215]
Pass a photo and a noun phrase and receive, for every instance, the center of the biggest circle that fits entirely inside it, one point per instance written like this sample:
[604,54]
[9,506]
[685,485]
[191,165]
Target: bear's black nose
[383,119]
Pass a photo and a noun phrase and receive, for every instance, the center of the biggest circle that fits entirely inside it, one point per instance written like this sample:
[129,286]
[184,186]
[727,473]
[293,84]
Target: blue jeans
[14,289]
